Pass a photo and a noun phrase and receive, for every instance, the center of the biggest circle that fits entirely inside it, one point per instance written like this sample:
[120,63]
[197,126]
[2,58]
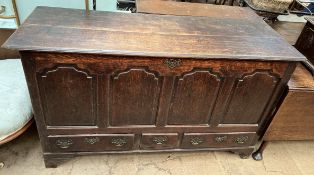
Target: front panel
[194,97]
[68,96]
[162,103]
[134,96]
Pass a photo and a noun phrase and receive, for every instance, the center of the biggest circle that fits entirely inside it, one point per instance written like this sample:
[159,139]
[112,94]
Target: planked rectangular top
[243,35]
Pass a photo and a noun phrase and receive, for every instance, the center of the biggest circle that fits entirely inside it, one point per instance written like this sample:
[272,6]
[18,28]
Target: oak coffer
[124,83]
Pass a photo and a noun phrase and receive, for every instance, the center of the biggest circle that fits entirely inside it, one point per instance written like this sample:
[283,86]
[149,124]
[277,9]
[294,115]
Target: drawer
[159,140]
[91,143]
[217,140]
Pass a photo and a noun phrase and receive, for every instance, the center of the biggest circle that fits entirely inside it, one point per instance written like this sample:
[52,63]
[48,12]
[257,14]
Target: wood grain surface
[137,94]
[152,35]
[289,30]
[301,79]
[7,53]
[191,9]
[294,119]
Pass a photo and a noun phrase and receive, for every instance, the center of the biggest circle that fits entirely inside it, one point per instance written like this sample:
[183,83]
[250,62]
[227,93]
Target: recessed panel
[68,96]
[134,98]
[250,97]
[193,98]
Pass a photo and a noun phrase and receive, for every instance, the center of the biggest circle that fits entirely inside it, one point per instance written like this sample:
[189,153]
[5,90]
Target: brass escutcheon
[173,63]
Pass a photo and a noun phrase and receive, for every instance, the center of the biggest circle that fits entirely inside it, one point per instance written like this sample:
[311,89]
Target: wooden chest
[126,83]
[295,117]
[305,43]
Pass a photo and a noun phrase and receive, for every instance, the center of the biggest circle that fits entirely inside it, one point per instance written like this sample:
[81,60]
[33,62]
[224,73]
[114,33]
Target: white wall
[25,7]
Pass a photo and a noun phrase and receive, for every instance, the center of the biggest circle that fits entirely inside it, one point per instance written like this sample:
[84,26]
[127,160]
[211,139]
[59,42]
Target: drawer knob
[92,140]
[220,139]
[196,141]
[160,140]
[241,139]
[64,143]
[119,141]
[172,63]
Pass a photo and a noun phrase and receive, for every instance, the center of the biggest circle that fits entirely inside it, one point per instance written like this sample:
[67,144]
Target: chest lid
[240,36]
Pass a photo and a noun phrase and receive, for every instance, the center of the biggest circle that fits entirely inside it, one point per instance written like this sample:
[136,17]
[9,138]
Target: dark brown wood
[136,91]
[295,118]
[75,84]
[91,143]
[191,9]
[290,31]
[205,87]
[87,103]
[245,108]
[205,140]
[7,53]
[147,73]
[55,159]
[159,141]
[301,85]
[250,39]
[305,43]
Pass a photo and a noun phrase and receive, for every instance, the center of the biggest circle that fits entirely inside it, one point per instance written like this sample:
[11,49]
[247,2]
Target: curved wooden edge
[18,132]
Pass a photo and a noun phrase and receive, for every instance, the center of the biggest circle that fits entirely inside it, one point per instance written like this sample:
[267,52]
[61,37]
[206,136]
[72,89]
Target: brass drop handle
[172,63]
[160,140]
[220,139]
[92,140]
[196,141]
[64,143]
[119,142]
[241,139]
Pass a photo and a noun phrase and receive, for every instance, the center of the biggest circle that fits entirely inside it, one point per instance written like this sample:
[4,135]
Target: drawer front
[159,141]
[91,143]
[217,140]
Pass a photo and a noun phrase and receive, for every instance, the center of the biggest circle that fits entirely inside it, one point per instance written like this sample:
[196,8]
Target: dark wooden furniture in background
[189,9]
[290,31]
[294,120]
[7,53]
[217,2]
[305,43]
[169,83]
[295,117]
